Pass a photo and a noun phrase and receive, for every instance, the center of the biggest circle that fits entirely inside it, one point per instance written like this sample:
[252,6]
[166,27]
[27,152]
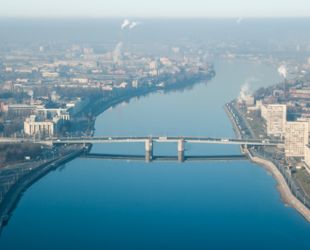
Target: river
[97,204]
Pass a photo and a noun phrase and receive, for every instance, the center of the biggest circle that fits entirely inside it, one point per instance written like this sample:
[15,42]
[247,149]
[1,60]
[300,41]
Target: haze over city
[154,124]
[151,9]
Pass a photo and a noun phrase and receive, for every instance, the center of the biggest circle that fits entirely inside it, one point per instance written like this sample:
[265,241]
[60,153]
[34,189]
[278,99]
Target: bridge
[148,142]
[181,141]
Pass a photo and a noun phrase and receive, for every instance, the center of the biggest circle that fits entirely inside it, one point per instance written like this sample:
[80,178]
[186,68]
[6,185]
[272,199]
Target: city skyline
[155,9]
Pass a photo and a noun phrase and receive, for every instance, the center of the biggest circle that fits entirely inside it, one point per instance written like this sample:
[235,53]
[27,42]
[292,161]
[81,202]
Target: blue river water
[97,204]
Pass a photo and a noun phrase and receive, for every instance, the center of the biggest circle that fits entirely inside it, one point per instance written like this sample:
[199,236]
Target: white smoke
[246,88]
[133,25]
[117,53]
[282,71]
[125,24]
[245,91]
[129,24]
[30,93]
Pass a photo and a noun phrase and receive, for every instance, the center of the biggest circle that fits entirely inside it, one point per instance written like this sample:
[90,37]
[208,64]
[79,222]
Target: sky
[155,8]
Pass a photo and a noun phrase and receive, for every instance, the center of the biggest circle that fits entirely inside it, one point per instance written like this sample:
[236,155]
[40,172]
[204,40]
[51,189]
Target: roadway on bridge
[165,139]
[142,139]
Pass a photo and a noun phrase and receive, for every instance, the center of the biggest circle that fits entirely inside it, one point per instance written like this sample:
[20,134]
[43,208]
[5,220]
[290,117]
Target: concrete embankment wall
[283,187]
[15,193]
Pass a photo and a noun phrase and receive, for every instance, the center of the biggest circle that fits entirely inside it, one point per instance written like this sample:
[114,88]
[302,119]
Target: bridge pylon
[181,149]
[148,150]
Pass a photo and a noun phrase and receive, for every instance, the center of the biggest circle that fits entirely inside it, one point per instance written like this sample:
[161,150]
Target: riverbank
[13,196]
[286,194]
[282,185]
[233,122]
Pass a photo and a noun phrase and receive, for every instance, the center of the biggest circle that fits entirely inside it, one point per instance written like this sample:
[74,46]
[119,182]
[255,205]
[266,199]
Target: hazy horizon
[155,17]
[267,32]
[154,9]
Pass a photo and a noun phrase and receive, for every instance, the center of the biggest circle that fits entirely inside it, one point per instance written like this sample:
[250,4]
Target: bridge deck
[158,139]
[142,139]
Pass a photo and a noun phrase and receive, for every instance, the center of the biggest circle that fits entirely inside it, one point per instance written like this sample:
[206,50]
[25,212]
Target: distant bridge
[148,142]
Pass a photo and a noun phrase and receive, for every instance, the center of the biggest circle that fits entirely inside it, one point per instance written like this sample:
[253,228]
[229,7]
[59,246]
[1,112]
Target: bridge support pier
[148,150]
[181,150]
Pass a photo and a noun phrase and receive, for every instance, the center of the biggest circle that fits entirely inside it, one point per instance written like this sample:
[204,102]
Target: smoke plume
[133,25]
[245,90]
[117,53]
[282,71]
[125,24]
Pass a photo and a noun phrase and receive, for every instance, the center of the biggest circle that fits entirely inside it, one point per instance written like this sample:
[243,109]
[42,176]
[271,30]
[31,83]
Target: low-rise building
[21,109]
[50,113]
[303,93]
[34,127]
[80,80]
[257,107]
[46,74]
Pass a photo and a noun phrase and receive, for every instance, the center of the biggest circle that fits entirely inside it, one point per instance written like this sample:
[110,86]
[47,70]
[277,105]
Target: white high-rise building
[275,116]
[307,155]
[304,119]
[296,138]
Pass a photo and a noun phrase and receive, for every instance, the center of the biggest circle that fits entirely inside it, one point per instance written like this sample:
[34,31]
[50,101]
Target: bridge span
[148,141]
[161,139]
[180,141]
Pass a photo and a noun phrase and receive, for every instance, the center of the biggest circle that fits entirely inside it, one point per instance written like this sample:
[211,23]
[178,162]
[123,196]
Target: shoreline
[286,194]
[282,186]
[20,187]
